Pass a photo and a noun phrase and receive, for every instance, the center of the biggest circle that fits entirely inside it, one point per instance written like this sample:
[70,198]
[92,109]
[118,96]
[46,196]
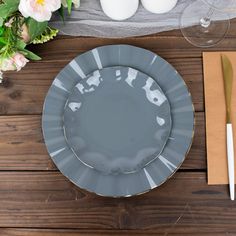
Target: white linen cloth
[89,20]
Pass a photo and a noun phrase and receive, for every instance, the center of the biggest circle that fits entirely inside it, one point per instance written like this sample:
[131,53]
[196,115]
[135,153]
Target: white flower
[40,10]
[15,62]
[75,2]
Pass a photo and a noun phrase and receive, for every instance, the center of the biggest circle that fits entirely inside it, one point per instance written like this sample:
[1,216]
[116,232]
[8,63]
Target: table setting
[117,117]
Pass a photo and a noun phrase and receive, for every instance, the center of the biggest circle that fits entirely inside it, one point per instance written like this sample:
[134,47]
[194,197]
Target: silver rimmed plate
[117,120]
[158,170]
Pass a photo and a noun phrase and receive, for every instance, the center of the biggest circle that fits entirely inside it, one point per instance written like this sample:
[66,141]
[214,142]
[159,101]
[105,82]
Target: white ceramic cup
[119,9]
[159,6]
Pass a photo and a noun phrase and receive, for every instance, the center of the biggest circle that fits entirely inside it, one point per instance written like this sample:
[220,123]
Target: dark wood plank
[24,92]
[49,200]
[174,46]
[67,232]
[22,146]
[45,199]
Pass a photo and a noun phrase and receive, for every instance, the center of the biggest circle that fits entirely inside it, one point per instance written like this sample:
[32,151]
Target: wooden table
[36,199]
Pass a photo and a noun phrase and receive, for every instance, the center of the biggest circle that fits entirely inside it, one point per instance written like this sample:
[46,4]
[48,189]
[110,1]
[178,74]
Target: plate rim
[192,111]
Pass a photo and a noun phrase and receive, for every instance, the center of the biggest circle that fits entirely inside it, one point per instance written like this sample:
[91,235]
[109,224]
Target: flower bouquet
[23,22]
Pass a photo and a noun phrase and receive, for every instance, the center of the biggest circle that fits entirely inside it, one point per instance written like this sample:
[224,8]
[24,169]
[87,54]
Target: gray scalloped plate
[145,175]
[117,120]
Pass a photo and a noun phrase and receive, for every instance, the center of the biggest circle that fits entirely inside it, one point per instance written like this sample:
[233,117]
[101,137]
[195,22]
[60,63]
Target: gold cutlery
[228,84]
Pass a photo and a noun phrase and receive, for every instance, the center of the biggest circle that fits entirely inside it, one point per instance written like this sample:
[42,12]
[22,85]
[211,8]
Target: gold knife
[228,85]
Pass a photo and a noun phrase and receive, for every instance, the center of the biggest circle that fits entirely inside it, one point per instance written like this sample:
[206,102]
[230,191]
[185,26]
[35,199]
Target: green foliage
[11,34]
[1,31]
[20,45]
[35,28]
[30,55]
[21,48]
[46,36]
[9,37]
[61,12]
[69,5]
[1,21]
[8,7]
[10,42]
[3,42]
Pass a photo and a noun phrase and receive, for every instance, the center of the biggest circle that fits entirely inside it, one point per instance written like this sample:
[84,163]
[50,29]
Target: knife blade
[227,70]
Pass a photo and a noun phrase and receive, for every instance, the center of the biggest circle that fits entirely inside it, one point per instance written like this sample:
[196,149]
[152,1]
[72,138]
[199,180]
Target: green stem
[12,34]
[6,51]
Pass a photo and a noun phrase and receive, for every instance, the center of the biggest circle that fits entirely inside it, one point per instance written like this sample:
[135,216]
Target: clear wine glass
[213,17]
[222,5]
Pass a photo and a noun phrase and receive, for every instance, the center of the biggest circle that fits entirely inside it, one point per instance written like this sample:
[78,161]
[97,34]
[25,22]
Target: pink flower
[9,23]
[15,62]
[40,10]
[19,60]
[7,64]
[25,33]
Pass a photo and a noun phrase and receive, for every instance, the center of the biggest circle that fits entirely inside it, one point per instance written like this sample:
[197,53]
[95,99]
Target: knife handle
[230,156]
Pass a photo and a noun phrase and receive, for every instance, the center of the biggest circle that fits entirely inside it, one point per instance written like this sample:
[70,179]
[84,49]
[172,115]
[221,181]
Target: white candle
[159,6]
[119,9]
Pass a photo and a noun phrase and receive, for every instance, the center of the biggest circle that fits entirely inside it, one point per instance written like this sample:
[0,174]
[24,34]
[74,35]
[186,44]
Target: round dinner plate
[117,120]
[145,175]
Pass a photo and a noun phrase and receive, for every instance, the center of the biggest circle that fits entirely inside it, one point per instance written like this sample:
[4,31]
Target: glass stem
[206,21]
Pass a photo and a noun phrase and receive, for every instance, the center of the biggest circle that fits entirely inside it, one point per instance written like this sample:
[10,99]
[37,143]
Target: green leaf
[1,31]
[69,5]
[35,28]
[8,7]
[3,49]
[3,41]
[20,44]
[30,55]
[62,13]
[1,45]
[1,21]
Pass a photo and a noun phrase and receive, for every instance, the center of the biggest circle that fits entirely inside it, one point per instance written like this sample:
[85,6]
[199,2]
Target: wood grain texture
[22,146]
[35,199]
[24,92]
[67,232]
[49,200]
